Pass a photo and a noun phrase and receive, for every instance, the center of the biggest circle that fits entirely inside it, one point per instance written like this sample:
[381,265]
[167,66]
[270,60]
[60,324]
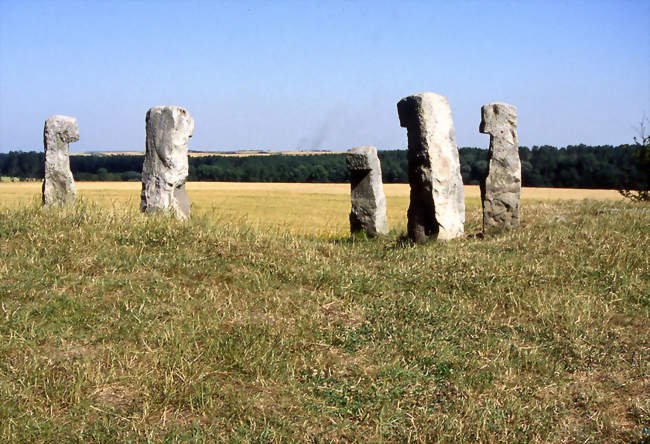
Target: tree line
[577,166]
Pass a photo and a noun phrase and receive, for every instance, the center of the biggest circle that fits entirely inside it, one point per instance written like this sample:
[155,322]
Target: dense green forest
[577,166]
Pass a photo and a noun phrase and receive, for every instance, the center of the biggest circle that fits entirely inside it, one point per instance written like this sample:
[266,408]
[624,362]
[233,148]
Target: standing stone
[501,189]
[366,192]
[165,167]
[58,184]
[437,208]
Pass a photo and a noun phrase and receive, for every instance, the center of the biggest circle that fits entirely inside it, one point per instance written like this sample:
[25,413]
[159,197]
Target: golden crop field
[301,208]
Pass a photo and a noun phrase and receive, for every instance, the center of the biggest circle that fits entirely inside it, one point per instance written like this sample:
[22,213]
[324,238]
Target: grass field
[260,320]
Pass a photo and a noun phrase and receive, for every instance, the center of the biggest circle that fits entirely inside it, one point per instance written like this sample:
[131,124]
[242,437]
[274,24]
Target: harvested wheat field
[305,208]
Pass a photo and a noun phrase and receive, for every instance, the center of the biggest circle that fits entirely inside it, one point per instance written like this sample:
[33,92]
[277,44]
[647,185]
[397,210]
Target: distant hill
[196,153]
[578,166]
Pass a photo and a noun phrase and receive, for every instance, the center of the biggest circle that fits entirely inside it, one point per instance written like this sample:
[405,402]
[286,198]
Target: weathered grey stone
[58,184]
[501,189]
[366,192]
[437,208]
[165,167]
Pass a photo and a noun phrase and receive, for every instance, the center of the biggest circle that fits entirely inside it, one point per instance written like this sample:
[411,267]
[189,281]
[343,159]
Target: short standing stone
[367,192]
[165,167]
[501,189]
[58,185]
[437,208]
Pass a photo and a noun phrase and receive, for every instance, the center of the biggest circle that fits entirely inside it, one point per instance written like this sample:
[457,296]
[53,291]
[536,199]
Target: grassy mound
[115,327]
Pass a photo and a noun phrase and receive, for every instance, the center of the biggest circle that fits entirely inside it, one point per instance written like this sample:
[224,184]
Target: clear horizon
[307,75]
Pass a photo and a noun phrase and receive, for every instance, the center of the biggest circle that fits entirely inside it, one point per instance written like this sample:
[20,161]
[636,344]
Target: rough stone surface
[501,189]
[165,167]
[437,208]
[58,185]
[366,192]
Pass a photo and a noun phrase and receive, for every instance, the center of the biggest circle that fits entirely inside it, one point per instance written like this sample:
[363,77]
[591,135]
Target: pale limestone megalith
[165,167]
[437,208]
[368,212]
[58,184]
[501,189]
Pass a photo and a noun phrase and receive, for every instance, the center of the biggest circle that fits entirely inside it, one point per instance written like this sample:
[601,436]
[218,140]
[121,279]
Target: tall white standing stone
[58,185]
[366,192]
[165,167]
[437,208]
[501,189]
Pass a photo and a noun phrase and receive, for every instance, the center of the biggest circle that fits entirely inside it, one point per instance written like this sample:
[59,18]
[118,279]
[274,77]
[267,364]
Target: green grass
[116,327]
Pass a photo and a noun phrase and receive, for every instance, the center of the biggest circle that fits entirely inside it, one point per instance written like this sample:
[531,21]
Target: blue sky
[321,74]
